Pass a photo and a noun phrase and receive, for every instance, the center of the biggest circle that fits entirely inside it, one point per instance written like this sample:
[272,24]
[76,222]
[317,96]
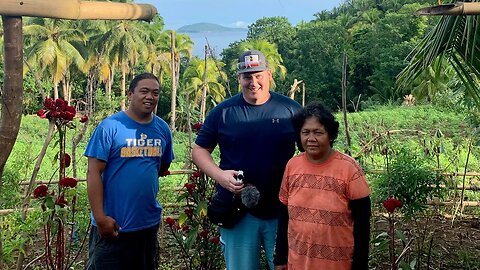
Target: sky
[236,13]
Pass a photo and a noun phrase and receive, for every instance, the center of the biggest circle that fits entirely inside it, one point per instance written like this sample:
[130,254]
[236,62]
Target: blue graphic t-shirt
[134,153]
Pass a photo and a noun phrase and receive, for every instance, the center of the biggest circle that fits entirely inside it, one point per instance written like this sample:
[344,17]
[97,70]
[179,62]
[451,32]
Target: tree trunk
[173,103]
[55,91]
[303,94]
[92,83]
[12,96]
[204,89]
[344,102]
[188,160]
[65,89]
[124,75]
[111,72]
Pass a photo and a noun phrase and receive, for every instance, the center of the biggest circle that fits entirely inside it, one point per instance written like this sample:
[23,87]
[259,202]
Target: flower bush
[195,236]
[58,205]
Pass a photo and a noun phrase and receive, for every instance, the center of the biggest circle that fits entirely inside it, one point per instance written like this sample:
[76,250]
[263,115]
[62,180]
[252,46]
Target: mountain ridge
[208,27]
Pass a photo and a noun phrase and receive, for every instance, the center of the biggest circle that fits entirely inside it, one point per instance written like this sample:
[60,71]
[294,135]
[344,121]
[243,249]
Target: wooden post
[303,94]
[78,10]
[12,93]
[173,103]
[344,102]
[458,8]
[203,106]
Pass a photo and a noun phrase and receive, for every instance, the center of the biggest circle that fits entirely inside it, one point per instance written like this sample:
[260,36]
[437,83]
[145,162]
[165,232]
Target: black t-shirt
[258,139]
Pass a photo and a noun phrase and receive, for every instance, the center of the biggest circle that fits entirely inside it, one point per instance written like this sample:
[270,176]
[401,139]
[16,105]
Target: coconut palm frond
[455,38]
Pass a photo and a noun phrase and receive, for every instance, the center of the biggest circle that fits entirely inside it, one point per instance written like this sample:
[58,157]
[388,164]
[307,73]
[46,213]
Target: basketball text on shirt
[142,147]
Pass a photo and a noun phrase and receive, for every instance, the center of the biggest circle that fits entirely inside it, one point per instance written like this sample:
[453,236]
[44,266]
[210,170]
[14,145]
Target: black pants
[131,250]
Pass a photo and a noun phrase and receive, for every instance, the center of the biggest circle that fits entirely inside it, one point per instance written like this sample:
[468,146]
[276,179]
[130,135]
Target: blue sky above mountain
[177,13]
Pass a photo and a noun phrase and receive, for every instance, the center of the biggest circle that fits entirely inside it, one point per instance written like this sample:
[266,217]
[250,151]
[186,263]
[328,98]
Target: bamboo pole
[13,210]
[78,10]
[453,174]
[454,9]
[173,172]
[465,203]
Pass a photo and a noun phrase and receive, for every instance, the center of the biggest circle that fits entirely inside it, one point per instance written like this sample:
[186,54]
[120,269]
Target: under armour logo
[275,120]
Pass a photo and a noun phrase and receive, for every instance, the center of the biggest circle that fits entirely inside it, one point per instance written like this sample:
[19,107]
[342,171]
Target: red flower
[197,126]
[61,201]
[42,113]
[197,174]
[67,115]
[68,182]
[392,204]
[170,221]
[204,233]
[185,228]
[84,118]
[65,161]
[214,240]
[60,104]
[190,187]
[55,114]
[70,109]
[40,191]
[188,212]
[49,104]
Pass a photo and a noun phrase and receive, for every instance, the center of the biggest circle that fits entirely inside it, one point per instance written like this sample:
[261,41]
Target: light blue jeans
[242,244]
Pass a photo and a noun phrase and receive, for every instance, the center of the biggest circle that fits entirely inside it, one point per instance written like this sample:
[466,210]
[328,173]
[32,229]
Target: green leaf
[202,209]
[49,202]
[183,217]
[192,235]
[401,235]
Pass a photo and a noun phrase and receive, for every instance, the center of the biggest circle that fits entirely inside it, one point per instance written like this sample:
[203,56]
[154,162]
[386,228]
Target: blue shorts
[131,250]
[242,244]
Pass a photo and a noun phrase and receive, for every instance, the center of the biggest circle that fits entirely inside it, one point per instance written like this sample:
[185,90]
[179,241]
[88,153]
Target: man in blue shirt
[126,154]
[255,135]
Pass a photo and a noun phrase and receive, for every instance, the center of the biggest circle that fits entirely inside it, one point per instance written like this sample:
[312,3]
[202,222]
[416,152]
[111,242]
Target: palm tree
[126,43]
[53,45]
[196,83]
[455,38]
[433,81]
[180,47]
[158,59]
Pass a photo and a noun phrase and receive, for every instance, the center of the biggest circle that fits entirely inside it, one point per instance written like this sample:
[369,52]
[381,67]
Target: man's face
[144,97]
[255,86]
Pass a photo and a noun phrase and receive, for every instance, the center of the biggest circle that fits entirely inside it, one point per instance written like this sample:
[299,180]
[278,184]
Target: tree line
[78,60]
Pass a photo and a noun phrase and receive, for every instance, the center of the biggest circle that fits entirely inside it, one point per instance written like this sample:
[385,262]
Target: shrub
[410,179]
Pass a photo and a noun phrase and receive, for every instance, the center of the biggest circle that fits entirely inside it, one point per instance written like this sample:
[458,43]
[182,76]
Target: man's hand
[107,227]
[281,267]
[228,180]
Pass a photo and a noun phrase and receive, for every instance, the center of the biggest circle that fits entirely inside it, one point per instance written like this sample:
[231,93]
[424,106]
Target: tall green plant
[411,179]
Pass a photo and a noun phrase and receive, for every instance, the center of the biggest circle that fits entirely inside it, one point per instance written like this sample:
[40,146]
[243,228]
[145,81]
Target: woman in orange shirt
[327,225]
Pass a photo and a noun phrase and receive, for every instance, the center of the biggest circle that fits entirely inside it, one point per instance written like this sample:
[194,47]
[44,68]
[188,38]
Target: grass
[364,126]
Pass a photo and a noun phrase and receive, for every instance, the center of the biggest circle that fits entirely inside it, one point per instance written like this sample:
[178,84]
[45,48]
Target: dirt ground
[444,244]
[455,245]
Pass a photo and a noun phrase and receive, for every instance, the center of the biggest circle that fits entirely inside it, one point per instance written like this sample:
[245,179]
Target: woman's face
[315,140]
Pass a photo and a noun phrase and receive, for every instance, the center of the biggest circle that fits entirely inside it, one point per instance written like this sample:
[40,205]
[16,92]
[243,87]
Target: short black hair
[324,116]
[139,77]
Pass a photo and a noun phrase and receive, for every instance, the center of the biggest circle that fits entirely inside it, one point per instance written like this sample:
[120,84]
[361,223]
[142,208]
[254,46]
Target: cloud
[240,24]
